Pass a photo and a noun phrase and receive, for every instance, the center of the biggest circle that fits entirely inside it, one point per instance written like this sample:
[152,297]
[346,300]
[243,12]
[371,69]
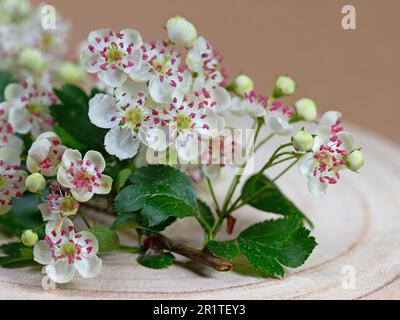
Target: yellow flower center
[69,249]
[133,117]
[113,54]
[68,207]
[183,122]
[2,181]
[34,108]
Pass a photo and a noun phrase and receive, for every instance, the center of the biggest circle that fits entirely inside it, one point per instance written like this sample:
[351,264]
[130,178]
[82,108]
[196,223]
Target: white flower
[188,120]
[63,252]
[278,117]
[307,109]
[7,137]
[207,63]
[45,154]
[322,166]
[58,206]
[29,108]
[252,105]
[243,84]
[181,32]
[112,55]
[126,115]
[162,67]
[84,176]
[12,179]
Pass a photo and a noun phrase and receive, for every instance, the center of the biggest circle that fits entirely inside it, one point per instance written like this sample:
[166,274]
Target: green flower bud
[355,160]
[307,109]
[243,84]
[181,32]
[33,60]
[285,85]
[29,238]
[70,72]
[35,183]
[302,141]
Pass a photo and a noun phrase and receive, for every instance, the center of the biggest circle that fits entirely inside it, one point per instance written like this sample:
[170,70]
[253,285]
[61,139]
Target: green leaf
[23,215]
[6,78]
[133,220]
[272,244]
[159,193]
[123,177]
[266,196]
[107,238]
[17,255]
[224,249]
[160,260]
[206,217]
[72,116]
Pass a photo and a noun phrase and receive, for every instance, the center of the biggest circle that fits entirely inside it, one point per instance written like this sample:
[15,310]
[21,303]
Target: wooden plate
[357,227]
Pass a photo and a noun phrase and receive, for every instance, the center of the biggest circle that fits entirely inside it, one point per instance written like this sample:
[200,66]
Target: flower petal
[42,253]
[64,178]
[330,118]
[39,150]
[82,195]
[112,78]
[122,143]
[19,119]
[61,272]
[89,267]
[71,156]
[323,134]
[160,91]
[10,156]
[105,185]
[47,215]
[222,98]
[95,158]
[306,164]
[90,61]
[317,188]
[103,111]
[348,141]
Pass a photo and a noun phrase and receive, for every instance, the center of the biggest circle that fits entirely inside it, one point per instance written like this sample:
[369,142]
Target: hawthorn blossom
[112,55]
[29,107]
[277,118]
[45,154]
[128,115]
[64,252]
[332,145]
[12,179]
[252,105]
[162,67]
[7,136]
[207,64]
[188,120]
[58,206]
[84,176]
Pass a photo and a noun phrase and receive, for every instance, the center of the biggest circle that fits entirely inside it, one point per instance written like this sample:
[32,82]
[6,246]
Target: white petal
[93,242]
[47,215]
[64,178]
[39,150]
[112,78]
[42,253]
[212,171]
[143,74]
[91,61]
[278,125]
[10,156]
[82,195]
[222,98]
[215,123]
[96,159]
[66,226]
[88,267]
[348,141]
[121,142]
[160,92]
[155,138]
[61,272]
[237,107]
[306,164]
[317,188]
[256,111]
[101,33]
[135,58]
[14,143]
[131,88]
[103,111]
[105,185]
[13,92]
[323,134]
[330,118]
[71,155]
[132,36]
[18,118]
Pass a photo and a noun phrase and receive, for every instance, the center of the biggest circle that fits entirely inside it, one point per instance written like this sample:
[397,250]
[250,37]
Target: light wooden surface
[357,226]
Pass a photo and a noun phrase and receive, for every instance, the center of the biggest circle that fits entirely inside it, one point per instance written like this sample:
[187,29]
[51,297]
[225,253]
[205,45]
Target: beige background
[355,71]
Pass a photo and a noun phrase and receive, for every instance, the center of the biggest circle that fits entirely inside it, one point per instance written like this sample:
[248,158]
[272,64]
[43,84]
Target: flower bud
[35,183]
[355,160]
[181,32]
[285,85]
[307,109]
[33,60]
[243,84]
[302,141]
[29,238]
[70,72]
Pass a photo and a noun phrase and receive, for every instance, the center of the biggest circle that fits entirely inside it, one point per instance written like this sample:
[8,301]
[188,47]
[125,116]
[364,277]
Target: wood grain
[357,226]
